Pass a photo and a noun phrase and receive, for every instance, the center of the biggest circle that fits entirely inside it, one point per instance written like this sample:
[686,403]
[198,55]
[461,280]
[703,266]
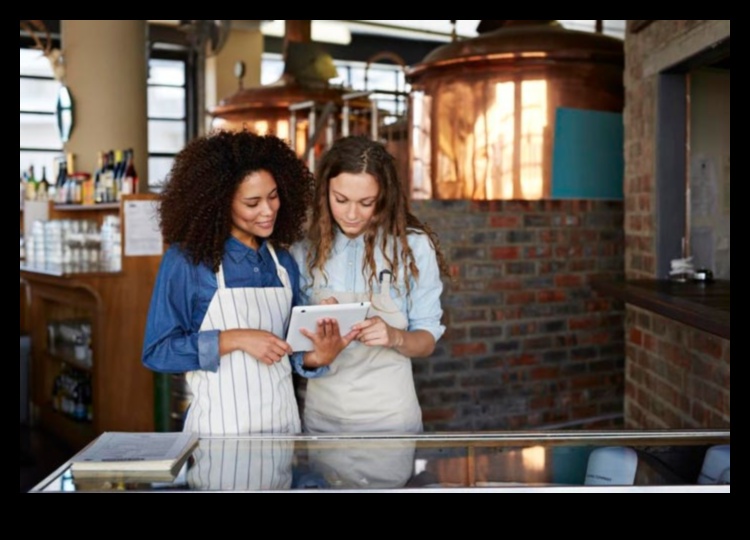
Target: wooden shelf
[701,305]
[115,304]
[86,207]
[61,357]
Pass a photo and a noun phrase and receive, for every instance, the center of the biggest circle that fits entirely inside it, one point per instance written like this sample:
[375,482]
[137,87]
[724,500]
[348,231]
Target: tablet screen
[307,317]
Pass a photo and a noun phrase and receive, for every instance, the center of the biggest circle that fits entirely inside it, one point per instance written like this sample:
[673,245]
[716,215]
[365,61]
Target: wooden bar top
[702,305]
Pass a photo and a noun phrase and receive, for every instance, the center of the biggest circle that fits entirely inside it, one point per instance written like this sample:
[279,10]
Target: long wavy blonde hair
[392,218]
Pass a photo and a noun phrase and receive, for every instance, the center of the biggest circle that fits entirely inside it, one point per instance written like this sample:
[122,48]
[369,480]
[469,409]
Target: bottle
[130,178]
[42,188]
[98,184]
[70,185]
[61,195]
[108,177]
[119,173]
[31,185]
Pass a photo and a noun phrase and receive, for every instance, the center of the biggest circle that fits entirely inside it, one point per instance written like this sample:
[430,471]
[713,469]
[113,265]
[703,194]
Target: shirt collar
[342,242]
[237,251]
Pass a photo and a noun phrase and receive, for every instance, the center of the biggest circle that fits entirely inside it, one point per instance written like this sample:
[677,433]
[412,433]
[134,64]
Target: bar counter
[535,461]
[701,305]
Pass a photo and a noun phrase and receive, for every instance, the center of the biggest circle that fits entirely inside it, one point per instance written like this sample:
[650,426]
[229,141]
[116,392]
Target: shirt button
[256,269]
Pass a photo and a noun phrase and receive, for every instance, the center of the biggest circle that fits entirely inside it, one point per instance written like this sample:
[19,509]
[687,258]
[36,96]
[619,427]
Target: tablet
[308,316]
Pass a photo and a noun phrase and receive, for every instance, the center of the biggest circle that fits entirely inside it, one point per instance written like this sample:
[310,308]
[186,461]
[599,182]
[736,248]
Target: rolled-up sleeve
[299,286]
[423,306]
[172,341]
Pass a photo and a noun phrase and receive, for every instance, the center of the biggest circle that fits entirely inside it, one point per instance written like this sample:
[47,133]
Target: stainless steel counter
[546,461]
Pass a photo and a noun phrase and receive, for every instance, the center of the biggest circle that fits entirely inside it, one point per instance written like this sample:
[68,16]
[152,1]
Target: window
[386,81]
[40,143]
[39,139]
[167,115]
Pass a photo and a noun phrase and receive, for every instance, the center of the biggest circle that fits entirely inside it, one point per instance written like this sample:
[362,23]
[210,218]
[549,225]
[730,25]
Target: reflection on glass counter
[559,461]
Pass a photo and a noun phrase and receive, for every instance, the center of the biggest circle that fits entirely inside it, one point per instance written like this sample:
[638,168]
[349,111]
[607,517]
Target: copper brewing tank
[482,110]
[304,86]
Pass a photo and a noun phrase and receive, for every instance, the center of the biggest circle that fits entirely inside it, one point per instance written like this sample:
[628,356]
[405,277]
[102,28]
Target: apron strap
[220,282]
[280,270]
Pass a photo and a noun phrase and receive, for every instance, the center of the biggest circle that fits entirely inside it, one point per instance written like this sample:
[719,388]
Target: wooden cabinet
[114,305]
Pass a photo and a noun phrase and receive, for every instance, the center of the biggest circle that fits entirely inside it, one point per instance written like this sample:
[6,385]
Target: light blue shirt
[344,271]
[173,342]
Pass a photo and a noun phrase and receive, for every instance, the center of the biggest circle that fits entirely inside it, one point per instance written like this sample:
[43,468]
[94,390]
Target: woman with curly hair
[232,205]
[364,244]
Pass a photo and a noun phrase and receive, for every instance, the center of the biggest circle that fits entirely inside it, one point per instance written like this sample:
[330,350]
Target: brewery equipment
[482,110]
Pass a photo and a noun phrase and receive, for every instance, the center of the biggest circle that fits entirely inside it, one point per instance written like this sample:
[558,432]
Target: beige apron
[371,465]
[368,389]
[245,396]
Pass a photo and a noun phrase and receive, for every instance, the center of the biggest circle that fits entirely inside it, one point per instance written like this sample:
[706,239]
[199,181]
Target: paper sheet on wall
[142,234]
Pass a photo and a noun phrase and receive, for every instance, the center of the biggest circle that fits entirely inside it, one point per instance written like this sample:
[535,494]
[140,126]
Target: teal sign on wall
[588,156]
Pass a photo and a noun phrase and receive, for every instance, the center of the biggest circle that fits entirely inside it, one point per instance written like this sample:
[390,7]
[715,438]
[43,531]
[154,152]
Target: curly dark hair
[195,205]
[359,154]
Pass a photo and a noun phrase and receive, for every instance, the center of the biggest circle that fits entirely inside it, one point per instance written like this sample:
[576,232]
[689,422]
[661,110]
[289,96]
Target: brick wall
[676,377]
[529,343]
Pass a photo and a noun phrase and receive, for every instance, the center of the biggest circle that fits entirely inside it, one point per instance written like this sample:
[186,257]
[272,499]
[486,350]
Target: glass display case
[546,461]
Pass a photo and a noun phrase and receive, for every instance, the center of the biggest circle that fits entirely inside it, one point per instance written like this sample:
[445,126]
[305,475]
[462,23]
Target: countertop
[702,305]
[542,461]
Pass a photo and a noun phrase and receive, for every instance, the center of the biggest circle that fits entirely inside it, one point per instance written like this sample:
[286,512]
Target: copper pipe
[296,32]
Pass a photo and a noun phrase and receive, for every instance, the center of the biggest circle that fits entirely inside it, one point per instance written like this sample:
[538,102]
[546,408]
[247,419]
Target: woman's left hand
[375,332]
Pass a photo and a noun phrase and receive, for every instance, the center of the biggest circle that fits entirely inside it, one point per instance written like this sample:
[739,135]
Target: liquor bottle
[130,178]
[108,177]
[119,173]
[98,179]
[70,184]
[31,185]
[42,188]
[61,195]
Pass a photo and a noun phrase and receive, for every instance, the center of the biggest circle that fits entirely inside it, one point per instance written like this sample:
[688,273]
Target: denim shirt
[173,341]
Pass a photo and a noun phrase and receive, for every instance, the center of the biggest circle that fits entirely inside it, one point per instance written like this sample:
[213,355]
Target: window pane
[40,159]
[271,69]
[343,77]
[39,131]
[33,63]
[38,95]
[166,102]
[357,77]
[167,72]
[165,136]
[158,168]
[381,79]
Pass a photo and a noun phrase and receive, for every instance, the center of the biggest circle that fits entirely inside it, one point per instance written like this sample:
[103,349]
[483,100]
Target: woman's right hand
[264,346]
[327,342]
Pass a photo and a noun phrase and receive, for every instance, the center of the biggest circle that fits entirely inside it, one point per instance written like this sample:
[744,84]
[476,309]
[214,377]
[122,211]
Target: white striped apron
[245,396]
[228,464]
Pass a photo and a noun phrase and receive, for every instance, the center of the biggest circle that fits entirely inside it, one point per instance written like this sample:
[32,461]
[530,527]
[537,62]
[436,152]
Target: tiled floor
[41,454]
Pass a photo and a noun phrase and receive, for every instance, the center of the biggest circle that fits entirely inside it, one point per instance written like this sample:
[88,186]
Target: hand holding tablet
[347,315]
